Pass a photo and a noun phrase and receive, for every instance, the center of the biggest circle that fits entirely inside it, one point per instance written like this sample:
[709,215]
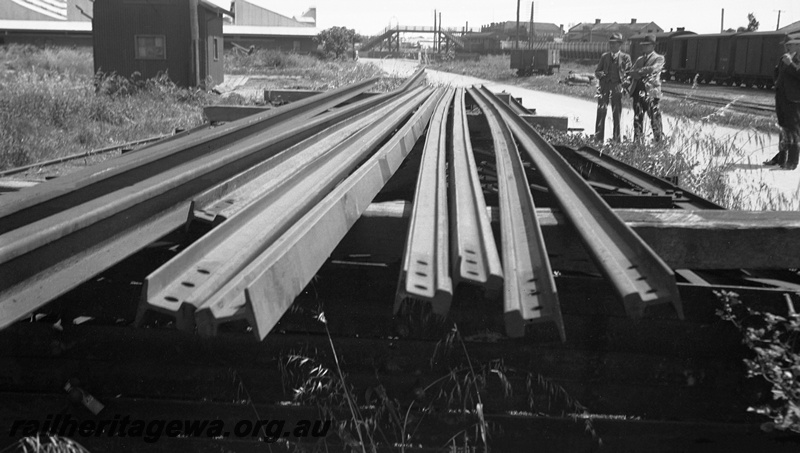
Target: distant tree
[752,23]
[337,40]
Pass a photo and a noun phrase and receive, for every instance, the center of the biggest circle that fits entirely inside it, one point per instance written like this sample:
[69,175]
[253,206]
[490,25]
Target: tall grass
[702,163]
[309,71]
[50,107]
[491,67]
[51,103]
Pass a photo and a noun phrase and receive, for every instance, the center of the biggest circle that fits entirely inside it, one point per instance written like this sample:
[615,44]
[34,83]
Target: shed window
[216,49]
[151,47]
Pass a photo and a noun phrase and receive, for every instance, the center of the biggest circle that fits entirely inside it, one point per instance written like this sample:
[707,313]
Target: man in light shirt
[646,88]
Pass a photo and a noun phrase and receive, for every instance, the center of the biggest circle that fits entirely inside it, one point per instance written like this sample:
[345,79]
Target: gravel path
[746,149]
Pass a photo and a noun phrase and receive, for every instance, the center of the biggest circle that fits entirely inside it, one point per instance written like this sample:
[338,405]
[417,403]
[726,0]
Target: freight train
[734,59]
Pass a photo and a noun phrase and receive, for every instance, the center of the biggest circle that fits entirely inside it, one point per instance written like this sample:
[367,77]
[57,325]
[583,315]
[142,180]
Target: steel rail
[267,287]
[425,274]
[40,261]
[258,146]
[414,79]
[92,152]
[644,180]
[473,250]
[530,293]
[289,190]
[639,276]
[225,198]
[51,197]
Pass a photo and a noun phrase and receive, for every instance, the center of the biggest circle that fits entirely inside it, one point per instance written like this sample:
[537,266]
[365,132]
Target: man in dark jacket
[646,88]
[610,72]
[787,106]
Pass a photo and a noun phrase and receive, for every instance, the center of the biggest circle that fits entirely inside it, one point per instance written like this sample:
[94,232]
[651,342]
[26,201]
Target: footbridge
[389,37]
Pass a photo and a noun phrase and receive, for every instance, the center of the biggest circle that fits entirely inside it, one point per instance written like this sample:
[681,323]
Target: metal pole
[194,29]
[530,30]
[434,30]
[439,34]
[779,20]
[516,37]
[722,21]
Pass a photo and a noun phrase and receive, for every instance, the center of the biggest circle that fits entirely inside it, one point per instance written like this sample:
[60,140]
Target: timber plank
[684,239]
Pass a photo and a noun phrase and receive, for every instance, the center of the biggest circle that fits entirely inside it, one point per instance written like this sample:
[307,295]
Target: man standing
[610,73]
[646,88]
[787,106]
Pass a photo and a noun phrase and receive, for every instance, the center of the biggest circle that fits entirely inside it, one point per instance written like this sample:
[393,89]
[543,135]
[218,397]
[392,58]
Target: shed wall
[117,23]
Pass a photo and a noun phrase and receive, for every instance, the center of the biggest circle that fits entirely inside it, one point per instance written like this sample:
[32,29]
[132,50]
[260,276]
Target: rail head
[640,277]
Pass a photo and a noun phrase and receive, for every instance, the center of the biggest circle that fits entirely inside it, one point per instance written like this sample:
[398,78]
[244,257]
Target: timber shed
[181,38]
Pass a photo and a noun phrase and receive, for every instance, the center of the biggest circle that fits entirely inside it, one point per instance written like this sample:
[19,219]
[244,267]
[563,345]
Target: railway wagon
[542,61]
[707,57]
[757,53]
[663,47]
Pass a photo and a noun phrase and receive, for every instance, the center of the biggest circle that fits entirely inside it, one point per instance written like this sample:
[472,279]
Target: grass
[46,444]
[702,163]
[307,71]
[379,420]
[497,68]
[50,107]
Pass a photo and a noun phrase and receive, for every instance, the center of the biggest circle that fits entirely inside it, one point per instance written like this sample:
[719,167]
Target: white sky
[701,16]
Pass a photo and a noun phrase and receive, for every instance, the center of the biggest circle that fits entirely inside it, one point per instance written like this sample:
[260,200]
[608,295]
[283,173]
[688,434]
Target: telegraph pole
[434,31]
[516,38]
[722,21]
[530,30]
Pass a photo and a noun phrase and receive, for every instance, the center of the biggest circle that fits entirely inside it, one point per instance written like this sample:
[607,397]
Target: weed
[46,444]
[773,340]
[702,164]
[52,104]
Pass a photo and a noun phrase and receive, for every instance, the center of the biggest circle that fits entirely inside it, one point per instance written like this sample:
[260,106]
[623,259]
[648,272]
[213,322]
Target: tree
[752,23]
[337,40]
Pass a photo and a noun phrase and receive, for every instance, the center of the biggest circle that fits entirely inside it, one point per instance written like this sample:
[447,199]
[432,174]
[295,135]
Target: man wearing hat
[610,73]
[787,105]
[646,88]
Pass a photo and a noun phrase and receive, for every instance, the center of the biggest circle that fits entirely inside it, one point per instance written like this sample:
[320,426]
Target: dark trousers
[789,144]
[612,94]
[642,105]
[788,148]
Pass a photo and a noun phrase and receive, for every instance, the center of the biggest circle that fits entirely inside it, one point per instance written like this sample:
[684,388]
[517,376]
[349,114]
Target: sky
[369,17]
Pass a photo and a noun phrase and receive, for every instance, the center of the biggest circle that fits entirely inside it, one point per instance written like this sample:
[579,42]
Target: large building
[46,10]
[253,14]
[68,22]
[245,12]
[601,31]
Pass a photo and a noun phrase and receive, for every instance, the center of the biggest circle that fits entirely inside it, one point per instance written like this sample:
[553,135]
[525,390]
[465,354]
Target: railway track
[269,227]
[734,103]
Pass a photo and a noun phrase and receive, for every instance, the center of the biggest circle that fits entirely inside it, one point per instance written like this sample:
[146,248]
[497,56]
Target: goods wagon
[707,57]
[757,53]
